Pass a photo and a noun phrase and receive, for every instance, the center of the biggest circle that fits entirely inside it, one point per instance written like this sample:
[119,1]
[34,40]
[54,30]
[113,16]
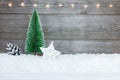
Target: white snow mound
[80,63]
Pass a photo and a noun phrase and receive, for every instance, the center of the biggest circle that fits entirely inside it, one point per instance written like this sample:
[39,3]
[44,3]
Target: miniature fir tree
[35,37]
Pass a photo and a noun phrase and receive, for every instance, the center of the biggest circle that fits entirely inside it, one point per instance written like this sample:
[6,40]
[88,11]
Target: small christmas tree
[35,37]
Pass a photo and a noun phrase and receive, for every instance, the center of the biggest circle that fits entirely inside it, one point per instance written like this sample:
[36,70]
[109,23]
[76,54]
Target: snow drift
[80,63]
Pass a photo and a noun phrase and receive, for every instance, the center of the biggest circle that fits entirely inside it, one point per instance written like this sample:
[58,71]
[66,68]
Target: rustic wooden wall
[74,30]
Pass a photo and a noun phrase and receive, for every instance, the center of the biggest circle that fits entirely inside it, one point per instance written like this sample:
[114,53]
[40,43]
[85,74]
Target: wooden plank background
[74,30]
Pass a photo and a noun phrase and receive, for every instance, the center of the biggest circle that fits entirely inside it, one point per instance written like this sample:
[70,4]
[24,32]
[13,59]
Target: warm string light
[72,5]
[47,5]
[35,5]
[60,5]
[85,6]
[110,5]
[97,5]
[22,4]
[10,4]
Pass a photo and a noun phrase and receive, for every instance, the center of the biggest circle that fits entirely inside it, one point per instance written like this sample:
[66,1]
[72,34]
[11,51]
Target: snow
[63,67]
